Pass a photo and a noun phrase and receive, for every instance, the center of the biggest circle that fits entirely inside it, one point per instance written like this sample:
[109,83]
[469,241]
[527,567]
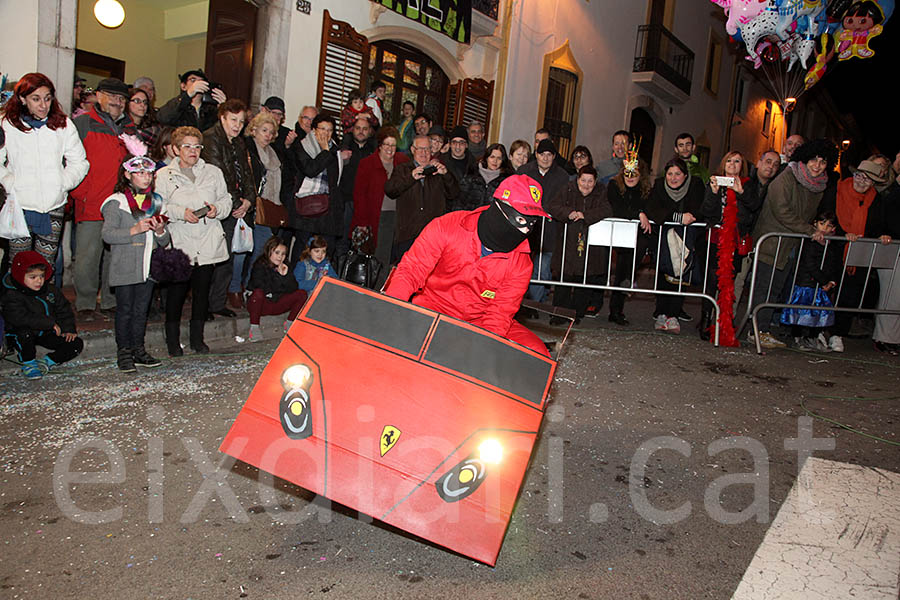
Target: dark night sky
[866,88]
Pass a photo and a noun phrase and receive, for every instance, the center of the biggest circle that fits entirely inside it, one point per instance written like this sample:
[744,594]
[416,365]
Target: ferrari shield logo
[389,437]
[535,193]
[489,294]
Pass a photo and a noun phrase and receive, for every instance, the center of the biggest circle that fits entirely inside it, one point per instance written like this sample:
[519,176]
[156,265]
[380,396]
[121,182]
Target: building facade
[583,69]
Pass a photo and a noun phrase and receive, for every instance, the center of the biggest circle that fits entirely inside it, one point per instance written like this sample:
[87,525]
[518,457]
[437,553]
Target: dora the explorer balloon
[861,23]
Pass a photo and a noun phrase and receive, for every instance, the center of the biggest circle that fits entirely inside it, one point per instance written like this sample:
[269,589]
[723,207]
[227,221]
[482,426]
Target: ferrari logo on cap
[535,193]
[489,294]
[389,437]
[506,194]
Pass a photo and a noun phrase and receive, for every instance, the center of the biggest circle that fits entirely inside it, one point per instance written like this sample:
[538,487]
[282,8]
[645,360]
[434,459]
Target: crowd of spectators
[220,169]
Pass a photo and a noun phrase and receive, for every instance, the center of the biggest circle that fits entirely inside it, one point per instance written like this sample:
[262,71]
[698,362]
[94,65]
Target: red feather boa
[725,272]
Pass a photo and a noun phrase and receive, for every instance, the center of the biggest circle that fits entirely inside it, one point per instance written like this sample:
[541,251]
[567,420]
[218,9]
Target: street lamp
[109,13]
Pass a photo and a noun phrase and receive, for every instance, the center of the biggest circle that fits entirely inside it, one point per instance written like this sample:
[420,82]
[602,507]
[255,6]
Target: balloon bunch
[779,34]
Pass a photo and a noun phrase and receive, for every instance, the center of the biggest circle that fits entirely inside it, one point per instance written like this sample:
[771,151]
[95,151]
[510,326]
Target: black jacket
[332,222]
[884,214]
[661,208]
[271,282]
[348,177]
[27,310]
[555,180]
[812,270]
[231,157]
[474,191]
[627,204]
[179,112]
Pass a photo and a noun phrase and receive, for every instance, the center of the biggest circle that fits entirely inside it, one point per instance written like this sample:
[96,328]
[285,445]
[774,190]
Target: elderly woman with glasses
[195,199]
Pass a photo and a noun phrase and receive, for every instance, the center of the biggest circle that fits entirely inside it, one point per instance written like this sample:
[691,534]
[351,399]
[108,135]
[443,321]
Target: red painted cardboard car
[415,418]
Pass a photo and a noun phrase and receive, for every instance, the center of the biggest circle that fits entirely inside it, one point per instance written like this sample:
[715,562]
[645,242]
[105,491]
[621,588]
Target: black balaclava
[497,232]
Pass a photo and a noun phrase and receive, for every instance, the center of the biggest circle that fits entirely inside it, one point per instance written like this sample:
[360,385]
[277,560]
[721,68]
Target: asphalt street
[651,448]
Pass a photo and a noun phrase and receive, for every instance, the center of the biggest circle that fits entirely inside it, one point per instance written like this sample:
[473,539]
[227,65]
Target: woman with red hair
[42,160]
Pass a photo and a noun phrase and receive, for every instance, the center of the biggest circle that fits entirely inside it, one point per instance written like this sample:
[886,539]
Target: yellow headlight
[296,376]
[491,451]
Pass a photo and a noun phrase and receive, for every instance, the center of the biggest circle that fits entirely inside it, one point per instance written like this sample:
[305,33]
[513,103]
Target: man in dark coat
[360,143]
[553,179]
[458,159]
[422,188]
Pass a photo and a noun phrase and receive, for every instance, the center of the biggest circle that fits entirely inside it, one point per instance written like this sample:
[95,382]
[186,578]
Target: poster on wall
[453,18]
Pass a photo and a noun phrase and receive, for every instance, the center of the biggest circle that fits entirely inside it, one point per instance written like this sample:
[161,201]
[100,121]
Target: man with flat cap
[99,129]
[476,265]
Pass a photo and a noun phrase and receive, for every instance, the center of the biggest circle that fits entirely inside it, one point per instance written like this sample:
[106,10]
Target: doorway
[643,128]
[408,75]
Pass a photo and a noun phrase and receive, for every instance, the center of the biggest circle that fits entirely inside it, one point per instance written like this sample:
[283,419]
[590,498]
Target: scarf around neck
[32,122]
[852,207]
[678,194]
[801,174]
[488,174]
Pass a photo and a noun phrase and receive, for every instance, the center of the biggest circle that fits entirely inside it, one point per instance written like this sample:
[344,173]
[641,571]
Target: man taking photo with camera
[421,188]
[196,105]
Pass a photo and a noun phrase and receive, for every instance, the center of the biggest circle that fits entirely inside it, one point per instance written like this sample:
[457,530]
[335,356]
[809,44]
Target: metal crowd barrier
[623,234]
[867,253]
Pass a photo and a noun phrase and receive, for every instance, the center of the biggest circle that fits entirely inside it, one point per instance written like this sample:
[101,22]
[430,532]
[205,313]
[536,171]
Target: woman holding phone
[195,199]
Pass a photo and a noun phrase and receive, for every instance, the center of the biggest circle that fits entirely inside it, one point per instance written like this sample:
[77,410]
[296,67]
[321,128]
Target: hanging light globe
[109,13]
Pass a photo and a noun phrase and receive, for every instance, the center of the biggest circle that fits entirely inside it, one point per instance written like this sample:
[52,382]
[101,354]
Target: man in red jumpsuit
[476,265]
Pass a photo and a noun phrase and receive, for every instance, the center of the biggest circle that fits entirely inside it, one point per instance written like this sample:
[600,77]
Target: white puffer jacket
[31,165]
[203,242]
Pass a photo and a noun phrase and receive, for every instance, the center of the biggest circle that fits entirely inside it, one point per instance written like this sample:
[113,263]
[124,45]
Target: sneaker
[662,323]
[822,343]
[143,359]
[672,325]
[683,316]
[31,370]
[255,334]
[45,363]
[767,340]
[836,343]
[124,360]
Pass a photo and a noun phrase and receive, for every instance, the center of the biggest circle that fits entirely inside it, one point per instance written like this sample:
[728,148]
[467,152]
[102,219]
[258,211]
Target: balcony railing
[658,51]
[490,8]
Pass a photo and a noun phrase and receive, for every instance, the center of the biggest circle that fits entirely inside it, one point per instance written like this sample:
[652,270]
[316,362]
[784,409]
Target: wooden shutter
[343,66]
[451,104]
[469,100]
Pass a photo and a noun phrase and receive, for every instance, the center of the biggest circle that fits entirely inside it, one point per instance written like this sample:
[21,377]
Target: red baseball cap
[522,193]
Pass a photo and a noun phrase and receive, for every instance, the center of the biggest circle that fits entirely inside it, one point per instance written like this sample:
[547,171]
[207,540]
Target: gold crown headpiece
[630,162]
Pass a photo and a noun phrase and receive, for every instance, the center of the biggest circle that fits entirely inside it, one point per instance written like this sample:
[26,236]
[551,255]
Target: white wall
[602,38]
[19,42]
